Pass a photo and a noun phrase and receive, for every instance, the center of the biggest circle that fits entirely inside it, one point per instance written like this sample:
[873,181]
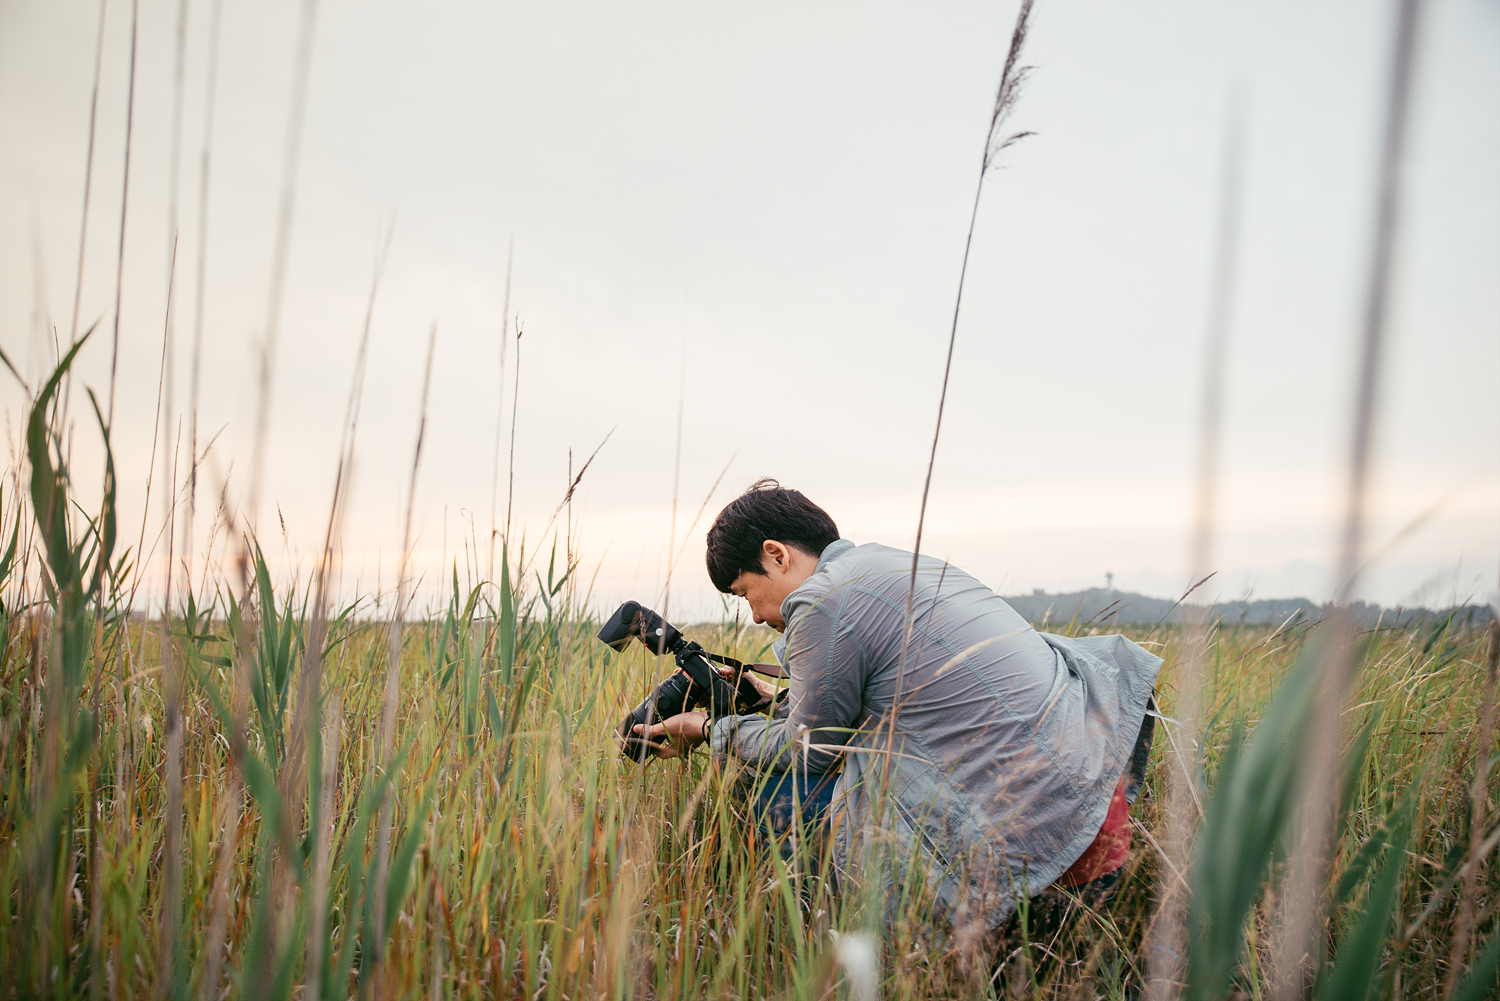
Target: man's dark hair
[765,511]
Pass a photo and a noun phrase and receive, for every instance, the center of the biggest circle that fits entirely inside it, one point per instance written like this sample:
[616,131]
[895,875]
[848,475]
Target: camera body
[696,684]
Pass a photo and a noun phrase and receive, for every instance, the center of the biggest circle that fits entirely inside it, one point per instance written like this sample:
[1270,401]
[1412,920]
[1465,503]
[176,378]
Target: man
[978,761]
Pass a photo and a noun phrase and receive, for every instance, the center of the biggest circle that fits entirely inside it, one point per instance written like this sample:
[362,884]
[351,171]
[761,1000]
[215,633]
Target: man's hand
[766,689]
[685,731]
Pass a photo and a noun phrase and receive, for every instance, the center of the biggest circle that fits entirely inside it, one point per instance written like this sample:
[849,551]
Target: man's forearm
[769,744]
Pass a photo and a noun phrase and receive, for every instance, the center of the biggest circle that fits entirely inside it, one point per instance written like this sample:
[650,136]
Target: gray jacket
[980,769]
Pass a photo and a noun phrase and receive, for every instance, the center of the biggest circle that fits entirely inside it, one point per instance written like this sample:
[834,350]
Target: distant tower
[1109,580]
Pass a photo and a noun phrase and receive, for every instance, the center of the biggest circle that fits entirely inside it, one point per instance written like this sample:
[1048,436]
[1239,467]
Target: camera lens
[674,695]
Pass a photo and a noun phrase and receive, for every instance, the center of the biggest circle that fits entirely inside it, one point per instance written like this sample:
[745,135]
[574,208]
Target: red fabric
[1110,848]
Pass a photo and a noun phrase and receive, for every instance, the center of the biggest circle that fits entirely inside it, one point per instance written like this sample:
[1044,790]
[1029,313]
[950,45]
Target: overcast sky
[754,215]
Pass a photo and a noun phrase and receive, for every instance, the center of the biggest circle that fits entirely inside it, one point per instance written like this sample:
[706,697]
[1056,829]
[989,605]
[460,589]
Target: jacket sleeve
[827,669]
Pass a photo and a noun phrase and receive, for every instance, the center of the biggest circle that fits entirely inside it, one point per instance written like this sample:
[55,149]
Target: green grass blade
[1358,957]
[404,857]
[1242,832]
[1483,979]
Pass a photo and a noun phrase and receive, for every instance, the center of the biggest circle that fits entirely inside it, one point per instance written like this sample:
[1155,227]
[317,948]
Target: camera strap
[769,670]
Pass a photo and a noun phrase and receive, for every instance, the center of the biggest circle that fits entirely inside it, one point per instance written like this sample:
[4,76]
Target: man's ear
[774,554]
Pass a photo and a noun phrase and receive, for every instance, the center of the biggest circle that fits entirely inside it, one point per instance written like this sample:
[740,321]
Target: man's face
[785,571]
[764,598]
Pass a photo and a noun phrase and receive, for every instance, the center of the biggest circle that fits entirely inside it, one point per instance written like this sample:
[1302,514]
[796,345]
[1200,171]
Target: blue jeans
[776,807]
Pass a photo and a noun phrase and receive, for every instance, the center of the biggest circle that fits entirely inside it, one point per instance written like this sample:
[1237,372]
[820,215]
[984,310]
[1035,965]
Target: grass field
[258,796]
[527,859]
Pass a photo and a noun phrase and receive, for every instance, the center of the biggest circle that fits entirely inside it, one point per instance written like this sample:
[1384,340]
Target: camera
[695,684]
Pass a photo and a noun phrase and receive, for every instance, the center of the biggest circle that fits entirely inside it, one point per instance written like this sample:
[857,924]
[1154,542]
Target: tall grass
[528,859]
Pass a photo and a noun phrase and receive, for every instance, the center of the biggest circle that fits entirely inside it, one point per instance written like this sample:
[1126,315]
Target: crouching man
[973,764]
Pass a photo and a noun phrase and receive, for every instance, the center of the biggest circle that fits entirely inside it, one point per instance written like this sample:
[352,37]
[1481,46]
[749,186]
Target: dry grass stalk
[228,822]
[310,724]
[301,73]
[1167,939]
[1012,76]
[515,400]
[393,689]
[172,691]
[198,285]
[566,503]
[171,920]
[88,184]
[91,849]
[1011,79]
[1311,858]
[322,856]
[114,356]
[666,589]
[510,258]
[1477,819]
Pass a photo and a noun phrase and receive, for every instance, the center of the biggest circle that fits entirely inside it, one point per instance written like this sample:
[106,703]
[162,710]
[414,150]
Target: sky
[733,234]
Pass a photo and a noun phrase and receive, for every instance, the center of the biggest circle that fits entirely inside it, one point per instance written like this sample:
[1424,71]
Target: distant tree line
[1102,606]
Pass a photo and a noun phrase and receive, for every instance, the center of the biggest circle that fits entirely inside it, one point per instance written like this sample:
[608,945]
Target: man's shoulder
[843,561]
[844,566]
[846,573]
[878,568]
[847,556]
